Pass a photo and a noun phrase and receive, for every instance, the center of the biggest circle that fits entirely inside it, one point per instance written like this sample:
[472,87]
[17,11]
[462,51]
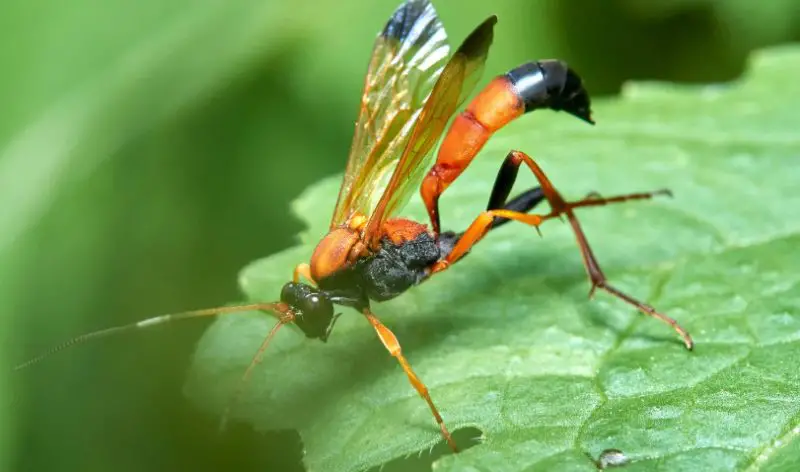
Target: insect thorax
[387,273]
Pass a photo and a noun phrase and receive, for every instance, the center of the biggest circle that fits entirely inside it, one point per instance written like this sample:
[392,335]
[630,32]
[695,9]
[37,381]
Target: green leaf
[508,342]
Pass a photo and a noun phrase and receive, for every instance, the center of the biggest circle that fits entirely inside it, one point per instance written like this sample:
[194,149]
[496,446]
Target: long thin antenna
[257,358]
[280,308]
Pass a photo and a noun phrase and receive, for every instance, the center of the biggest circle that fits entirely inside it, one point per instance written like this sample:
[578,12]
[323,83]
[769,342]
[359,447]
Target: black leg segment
[523,203]
[503,184]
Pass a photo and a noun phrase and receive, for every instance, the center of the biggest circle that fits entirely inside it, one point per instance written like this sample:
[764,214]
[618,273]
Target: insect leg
[389,340]
[527,200]
[498,200]
[522,203]
[303,270]
[478,229]
[560,207]
[503,184]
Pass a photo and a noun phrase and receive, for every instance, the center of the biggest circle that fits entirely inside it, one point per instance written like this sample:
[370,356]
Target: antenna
[279,308]
[257,358]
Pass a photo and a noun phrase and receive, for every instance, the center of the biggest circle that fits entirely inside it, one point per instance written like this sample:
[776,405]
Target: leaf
[507,341]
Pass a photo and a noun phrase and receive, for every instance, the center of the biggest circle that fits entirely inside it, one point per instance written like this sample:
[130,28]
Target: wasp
[412,90]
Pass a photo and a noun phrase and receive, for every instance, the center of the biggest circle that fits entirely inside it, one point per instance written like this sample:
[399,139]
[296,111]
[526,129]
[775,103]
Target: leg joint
[516,157]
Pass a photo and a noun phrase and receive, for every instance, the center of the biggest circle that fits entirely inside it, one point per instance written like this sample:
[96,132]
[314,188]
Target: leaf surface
[508,342]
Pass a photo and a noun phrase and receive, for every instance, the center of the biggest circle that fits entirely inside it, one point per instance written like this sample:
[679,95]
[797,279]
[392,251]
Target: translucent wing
[408,56]
[454,85]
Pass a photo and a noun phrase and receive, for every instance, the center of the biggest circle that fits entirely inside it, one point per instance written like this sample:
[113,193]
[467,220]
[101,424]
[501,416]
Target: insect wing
[407,58]
[454,85]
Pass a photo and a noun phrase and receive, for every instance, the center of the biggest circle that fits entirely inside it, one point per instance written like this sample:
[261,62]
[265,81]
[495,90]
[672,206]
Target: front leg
[389,341]
[303,270]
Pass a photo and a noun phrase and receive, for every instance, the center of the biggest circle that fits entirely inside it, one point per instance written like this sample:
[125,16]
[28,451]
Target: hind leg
[494,217]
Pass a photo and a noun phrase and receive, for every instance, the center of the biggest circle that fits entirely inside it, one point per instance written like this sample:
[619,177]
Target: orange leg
[478,229]
[285,318]
[389,340]
[559,207]
[305,271]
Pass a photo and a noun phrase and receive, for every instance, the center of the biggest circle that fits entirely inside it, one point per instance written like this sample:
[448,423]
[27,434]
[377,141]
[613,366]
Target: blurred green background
[148,150]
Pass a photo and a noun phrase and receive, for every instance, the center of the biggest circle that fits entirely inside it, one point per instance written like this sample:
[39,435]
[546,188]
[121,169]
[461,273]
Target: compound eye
[288,293]
[318,304]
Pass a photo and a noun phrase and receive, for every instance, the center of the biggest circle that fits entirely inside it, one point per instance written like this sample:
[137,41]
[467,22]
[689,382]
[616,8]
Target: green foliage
[508,342]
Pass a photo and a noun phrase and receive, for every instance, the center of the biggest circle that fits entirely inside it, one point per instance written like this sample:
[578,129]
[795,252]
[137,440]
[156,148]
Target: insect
[412,90]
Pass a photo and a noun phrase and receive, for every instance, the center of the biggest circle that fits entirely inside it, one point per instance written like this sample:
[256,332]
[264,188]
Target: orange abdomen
[494,107]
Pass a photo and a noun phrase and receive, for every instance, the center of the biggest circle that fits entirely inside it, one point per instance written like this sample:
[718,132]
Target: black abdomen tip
[551,84]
